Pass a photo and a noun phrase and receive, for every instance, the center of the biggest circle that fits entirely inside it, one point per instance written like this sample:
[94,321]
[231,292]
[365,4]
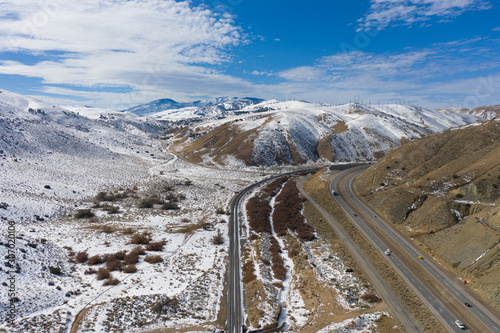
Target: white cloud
[151,46]
[496,29]
[384,13]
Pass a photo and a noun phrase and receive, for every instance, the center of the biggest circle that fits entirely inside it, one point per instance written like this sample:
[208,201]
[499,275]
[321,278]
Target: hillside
[286,133]
[51,157]
[444,192]
[169,109]
[486,112]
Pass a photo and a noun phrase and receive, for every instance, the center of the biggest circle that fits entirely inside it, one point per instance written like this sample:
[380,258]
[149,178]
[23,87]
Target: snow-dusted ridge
[297,132]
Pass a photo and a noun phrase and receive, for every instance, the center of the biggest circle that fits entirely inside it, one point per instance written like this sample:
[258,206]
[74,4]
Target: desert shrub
[156,246]
[188,182]
[143,238]
[218,239]
[90,271]
[120,255]
[108,229]
[165,304]
[130,269]
[82,257]
[278,268]
[114,265]
[84,214]
[146,203]
[55,270]
[170,206]
[220,211]
[103,273]
[140,250]
[153,259]
[111,282]
[258,212]
[131,258]
[459,195]
[113,210]
[128,231]
[288,213]
[371,298]
[95,260]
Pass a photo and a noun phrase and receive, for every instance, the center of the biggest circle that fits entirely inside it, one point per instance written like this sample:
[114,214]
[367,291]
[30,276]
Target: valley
[124,221]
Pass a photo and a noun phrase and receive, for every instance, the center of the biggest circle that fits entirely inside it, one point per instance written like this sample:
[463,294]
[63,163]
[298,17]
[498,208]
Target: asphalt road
[439,290]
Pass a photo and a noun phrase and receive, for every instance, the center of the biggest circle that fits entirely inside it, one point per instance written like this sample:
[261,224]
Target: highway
[443,293]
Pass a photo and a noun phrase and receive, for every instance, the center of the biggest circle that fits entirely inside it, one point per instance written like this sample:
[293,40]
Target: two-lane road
[436,288]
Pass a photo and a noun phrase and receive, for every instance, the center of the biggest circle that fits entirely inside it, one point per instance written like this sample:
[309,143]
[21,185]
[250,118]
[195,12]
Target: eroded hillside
[444,192]
[286,133]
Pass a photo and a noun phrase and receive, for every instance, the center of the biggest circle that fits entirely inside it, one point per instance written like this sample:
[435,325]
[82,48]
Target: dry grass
[153,259]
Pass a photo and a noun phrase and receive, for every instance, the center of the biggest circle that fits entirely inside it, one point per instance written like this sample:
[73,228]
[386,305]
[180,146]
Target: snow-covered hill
[293,132]
[485,112]
[51,157]
[169,109]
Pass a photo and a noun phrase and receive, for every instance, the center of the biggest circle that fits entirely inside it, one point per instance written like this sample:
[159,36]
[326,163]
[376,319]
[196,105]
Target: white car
[459,324]
[388,252]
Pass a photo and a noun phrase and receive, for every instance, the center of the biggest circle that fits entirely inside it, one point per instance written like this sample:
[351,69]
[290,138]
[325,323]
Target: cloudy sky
[120,53]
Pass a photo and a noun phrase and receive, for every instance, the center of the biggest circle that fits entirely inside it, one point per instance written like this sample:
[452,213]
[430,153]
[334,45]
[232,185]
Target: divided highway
[436,288]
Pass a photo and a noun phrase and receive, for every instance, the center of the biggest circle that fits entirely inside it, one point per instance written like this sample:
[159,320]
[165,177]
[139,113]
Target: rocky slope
[286,133]
[444,192]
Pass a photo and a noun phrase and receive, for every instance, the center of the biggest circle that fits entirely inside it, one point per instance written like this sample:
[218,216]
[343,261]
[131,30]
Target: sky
[121,53]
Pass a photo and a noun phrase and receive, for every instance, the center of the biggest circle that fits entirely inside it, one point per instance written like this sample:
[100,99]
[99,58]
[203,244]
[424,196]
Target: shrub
[459,195]
[114,210]
[55,270]
[120,255]
[103,273]
[90,271]
[169,206]
[153,259]
[220,211]
[218,239]
[146,203]
[84,214]
[157,246]
[82,257]
[130,269]
[128,231]
[132,258]
[108,229]
[111,282]
[114,265]
[371,298]
[140,250]
[95,260]
[143,238]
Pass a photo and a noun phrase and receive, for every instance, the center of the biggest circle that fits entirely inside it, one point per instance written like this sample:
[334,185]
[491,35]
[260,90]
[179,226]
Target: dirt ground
[317,187]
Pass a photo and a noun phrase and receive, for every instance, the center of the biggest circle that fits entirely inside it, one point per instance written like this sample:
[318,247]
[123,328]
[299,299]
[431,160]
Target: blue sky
[110,53]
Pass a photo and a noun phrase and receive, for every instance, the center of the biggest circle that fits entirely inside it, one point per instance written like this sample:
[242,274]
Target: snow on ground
[329,269]
[363,323]
[191,274]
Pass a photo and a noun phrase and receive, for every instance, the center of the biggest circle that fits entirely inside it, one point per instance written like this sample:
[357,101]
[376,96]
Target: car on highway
[468,305]
[388,252]
[459,324]
[420,257]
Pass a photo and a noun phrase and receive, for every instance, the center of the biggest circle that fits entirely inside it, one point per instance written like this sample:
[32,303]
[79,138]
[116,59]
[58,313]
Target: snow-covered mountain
[486,112]
[293,132]
[49,154]
[170,109]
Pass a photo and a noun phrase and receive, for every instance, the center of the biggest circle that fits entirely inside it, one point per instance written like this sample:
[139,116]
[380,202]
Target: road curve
[436,289]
